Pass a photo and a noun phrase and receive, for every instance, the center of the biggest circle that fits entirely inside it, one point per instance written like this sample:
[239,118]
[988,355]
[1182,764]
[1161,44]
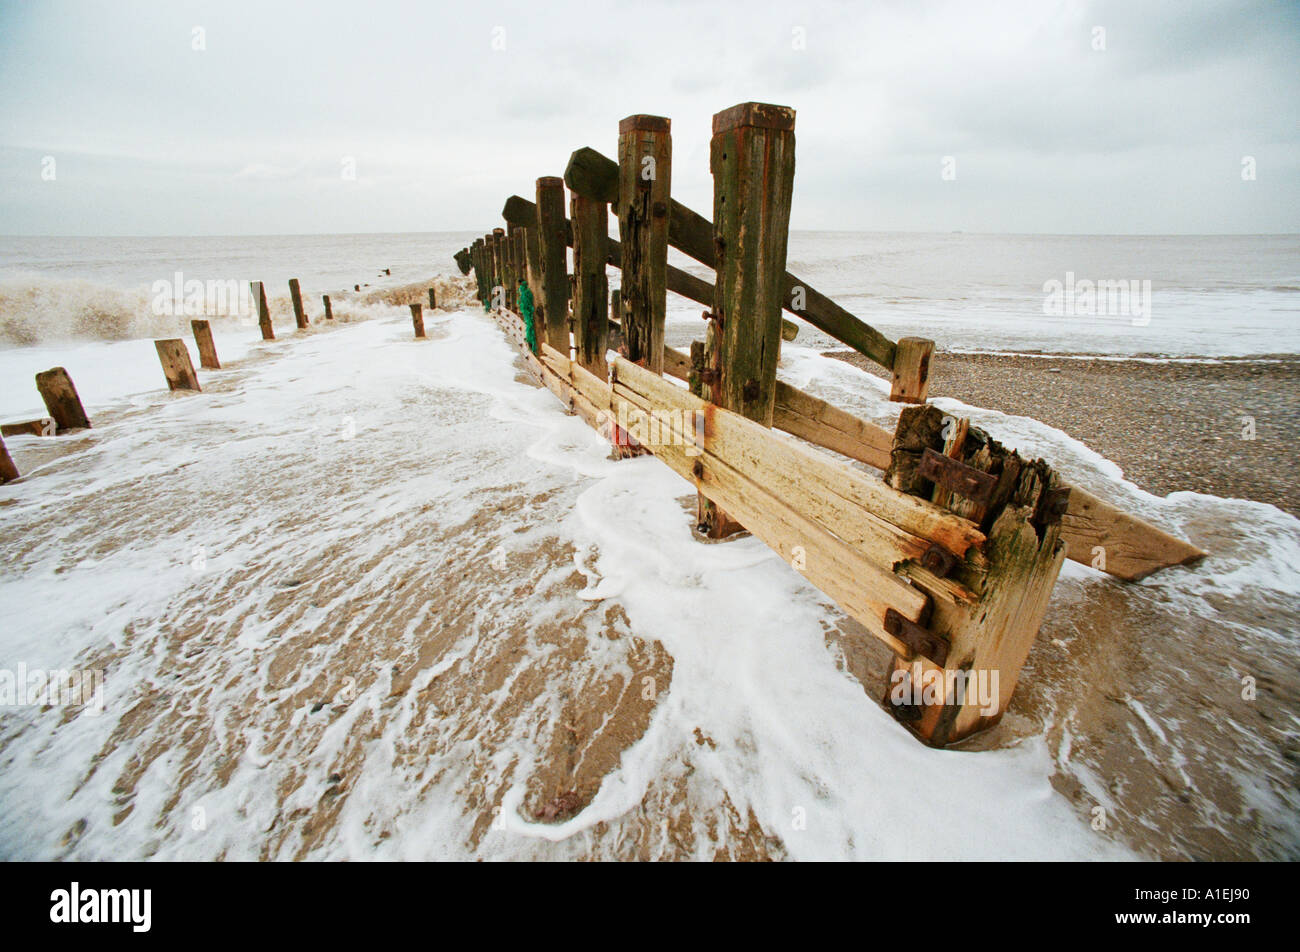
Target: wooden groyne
[948,555]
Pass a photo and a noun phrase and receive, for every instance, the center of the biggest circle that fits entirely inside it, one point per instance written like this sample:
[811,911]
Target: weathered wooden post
[417,319]
[521,261]
[510,277]
[552,314]
[498,267]
[645,155]
[329,311]
[299,315]
[590,286]
[61,400]
[207,347]
[8,470]
[433,300]
[911,380]
[175,359]
[965,660]
[533,255]
[263,311]
[752,161]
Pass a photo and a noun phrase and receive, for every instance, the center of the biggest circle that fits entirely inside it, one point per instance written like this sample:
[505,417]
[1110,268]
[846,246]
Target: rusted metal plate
[954,476]
[923,641]
[938,560]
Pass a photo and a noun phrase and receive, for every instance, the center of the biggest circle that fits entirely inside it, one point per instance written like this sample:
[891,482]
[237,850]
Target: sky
[229,118]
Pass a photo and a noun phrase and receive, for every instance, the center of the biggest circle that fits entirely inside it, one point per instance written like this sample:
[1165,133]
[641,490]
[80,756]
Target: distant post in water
[263,311]
[553,240]
[645,156]
[177,367]
[752,160]
[207,347]
[299,314]
[417,319]
[329,311]
[433,300]
[8,471]
[61,400]
[590,286]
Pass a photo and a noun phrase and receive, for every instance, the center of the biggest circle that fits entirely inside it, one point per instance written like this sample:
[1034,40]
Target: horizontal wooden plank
[735,438]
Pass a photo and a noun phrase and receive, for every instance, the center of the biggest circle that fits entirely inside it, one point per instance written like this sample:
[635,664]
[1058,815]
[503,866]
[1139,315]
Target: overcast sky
[252,135]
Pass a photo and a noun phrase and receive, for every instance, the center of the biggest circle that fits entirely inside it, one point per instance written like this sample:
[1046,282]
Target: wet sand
[1170,426]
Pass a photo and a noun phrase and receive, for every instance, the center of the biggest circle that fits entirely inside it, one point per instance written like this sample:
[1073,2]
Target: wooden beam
[551,314]
[207,346]
[176,364]
[733,436]
[263,311]
[329,311]
[589,172]
[62,401]
[1133,547]
[433,300]
[417,320]
[645,155]
[498,268]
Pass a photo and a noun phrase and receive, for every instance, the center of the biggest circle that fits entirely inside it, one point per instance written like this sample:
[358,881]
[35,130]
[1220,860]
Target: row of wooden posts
[949,559]
[63,403]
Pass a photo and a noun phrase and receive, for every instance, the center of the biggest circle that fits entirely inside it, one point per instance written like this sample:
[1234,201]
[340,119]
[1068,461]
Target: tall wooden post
[263,311]
[485,266]
[476,270]
[417,320]
[329,311]
[533,256]
[645,155]
[207,347]
[752,160]
[176,364]
[295,292]
[553,302]
[8,471]
[521,262]
[590,286]
[511,278]
[62,401]
[498,267]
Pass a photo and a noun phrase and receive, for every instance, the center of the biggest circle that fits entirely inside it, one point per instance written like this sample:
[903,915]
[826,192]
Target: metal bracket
[955,476]
[922,641]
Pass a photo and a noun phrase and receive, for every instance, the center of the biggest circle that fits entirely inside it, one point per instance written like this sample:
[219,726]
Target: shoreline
[1170,424]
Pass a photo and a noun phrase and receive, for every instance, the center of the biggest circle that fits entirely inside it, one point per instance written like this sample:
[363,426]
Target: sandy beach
[1170,425]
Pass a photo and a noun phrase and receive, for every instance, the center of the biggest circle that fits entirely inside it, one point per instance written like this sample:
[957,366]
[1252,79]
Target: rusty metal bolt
[750,390]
